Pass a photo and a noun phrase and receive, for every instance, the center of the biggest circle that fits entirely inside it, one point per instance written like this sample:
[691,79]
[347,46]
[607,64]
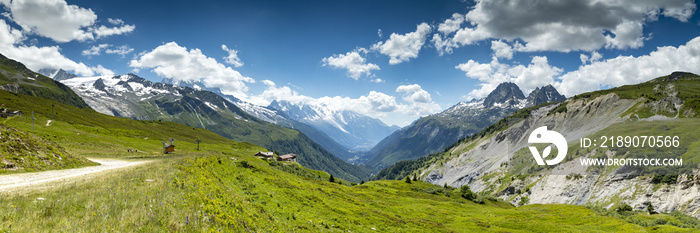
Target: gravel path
[49,178]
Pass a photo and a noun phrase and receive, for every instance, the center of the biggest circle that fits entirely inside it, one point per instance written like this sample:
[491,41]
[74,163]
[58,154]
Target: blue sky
[394,60]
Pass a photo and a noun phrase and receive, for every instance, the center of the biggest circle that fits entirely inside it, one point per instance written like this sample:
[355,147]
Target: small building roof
[288,156]
[268,153]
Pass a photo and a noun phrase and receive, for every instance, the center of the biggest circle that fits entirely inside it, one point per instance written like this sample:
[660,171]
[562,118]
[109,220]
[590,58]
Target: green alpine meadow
[349,116]
[223,186]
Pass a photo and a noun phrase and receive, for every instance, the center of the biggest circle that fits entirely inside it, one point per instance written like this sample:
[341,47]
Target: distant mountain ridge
[56,74]
[433,133]
[134,97]
[326,127]
[350,129]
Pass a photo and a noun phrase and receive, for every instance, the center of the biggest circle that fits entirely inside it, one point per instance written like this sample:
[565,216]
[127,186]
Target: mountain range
[133,97]
[433,133]
[352,130]
[493,162]
[346,134]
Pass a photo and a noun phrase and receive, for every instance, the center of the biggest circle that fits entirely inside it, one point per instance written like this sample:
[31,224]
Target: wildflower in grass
[187,220]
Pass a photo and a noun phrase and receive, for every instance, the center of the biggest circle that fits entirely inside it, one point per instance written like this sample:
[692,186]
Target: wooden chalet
[169,149]
[287,158]
[5,113]
[267,155]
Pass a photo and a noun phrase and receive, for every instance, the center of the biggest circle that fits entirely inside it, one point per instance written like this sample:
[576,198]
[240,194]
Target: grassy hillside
[408,167]
[223,188]
[232,122]
[231,191]
[432,134]
[657,97]
[192,109]
[205,109]
[25,152]
[84,132]
[688,148]
[15,77]
[416,141]
[89,133]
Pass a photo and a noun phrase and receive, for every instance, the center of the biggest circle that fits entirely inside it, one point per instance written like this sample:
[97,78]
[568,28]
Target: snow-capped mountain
[278,117]
[124,95]
[345,133]
[350,129]
[433,133]
[134,97]
[260,112]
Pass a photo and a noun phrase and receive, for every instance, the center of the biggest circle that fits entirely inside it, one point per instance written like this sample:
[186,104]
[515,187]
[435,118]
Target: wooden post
[198,144]
[52,112]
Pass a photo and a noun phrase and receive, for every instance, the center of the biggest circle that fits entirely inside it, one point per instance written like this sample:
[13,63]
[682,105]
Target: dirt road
[49,178]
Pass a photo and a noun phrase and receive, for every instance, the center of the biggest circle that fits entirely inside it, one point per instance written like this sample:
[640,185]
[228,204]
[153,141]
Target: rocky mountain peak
[506,92]
[543,95]
[99,84]
[56,74]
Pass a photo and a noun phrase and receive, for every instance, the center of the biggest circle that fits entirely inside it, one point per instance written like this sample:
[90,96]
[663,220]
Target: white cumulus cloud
[232,57]
[595,56]
[501,49]
[416,101]
[115,21]
[176,62]
[452,24]
[414,93]
[60,21]
[625,70]
[103,31]
[592,75]
[553,25]
[401,48]
[536,74]
[122,50]
[36,58]
[353,62]
[95,50]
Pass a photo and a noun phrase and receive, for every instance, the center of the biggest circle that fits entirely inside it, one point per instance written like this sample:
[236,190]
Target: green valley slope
[222,187]
[202,109]
[233,192]
[15,77]
[497,162]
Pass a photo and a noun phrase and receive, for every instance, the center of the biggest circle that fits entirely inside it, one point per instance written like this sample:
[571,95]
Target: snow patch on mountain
[348,128]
